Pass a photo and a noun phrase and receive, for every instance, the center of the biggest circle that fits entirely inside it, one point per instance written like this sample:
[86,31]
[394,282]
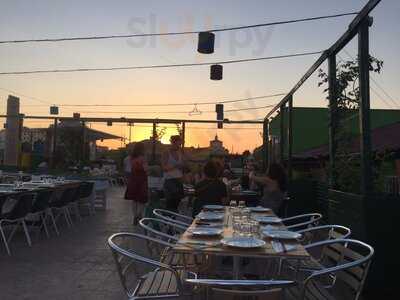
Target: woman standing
[274,186]
[136,189]
[173,164]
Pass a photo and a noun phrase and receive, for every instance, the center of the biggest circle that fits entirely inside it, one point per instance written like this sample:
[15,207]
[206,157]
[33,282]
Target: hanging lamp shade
[206,42]
[216,72]
[54,110]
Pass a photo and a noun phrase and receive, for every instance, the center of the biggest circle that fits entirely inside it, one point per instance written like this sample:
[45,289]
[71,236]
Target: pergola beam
[351,32]
[135,120]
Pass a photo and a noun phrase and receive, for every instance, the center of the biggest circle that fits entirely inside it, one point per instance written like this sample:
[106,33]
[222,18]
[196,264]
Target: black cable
[173,112]
[175,33]
[198,103]
[159,66]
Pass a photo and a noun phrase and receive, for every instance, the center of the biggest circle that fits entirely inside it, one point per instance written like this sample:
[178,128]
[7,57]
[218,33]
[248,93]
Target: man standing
[127,163]
[173,165]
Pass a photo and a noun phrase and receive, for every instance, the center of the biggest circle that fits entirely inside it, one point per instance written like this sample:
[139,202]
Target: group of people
[212,185]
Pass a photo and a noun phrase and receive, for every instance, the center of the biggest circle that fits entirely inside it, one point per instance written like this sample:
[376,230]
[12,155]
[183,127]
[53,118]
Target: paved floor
[75,265]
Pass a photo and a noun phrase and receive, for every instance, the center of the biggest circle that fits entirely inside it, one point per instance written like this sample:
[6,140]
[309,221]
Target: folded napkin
[280,247]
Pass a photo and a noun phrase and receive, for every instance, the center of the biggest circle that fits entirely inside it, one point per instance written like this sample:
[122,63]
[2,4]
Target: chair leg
[43,217]
[53,220]
[28,237]
[67,216]
[4,239]
[77,213]
[14,230]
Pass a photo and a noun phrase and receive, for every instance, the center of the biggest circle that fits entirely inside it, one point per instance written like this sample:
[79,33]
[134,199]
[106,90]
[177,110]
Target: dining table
[214,245]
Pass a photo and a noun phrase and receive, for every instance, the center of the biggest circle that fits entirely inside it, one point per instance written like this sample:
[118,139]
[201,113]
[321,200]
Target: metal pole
[130,133]
[183,135]
[153,149]
[364,115]
[333,119]
[54,152]
[290,136]
[83,155]
[282,134]
[265,152]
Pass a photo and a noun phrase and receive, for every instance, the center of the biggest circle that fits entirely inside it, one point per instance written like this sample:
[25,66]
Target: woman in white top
[173,165]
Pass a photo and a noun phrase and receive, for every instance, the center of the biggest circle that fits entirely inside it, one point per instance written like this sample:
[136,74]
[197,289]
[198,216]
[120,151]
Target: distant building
[216,144]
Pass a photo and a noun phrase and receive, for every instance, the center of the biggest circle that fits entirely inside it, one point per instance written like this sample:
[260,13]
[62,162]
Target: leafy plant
[347,164]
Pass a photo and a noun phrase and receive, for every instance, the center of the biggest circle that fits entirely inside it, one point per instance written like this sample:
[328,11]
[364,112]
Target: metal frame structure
[130,122]
[358,27]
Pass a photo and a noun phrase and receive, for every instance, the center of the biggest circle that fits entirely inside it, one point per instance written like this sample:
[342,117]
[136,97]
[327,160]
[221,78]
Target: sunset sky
[52,19]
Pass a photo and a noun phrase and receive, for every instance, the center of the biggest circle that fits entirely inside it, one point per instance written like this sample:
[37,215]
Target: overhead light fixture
[206,42]
[54,110]
[195,111]
[216,72]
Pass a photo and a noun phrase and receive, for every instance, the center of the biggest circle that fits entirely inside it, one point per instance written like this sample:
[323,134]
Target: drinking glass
[245,228]
[255,228]
[232,204]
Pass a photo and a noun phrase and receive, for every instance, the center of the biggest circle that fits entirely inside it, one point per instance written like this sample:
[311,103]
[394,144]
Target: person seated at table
[210,190]
[274,184]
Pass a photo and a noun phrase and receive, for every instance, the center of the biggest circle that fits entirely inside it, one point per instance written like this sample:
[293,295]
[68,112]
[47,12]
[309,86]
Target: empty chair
[320,255]
[170,233]
[61,205]
[13,211]
[40,208]
[302,221]
[244,288]
[74,201]
[344,279]
[323,233]
[173,217]
[86,196]
[142,277]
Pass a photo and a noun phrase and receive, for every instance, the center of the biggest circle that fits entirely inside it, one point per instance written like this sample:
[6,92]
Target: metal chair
[170,233]
[323,233]
[142,277]
[13,211]
[86,196]
[173,217]
[61,205]
[243,288]
[40,208]
[344,279]
[320,256]
[74,202]
[302,221]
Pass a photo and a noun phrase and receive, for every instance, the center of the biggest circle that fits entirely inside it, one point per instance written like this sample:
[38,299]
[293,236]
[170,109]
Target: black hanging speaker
[76,115]
[54,110]
[216,72]
[109,123]
[206,42]
[219,109]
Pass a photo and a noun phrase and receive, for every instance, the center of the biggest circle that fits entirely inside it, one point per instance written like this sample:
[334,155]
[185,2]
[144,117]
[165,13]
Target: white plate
[205,231]
[267,220]
[243,242]
[260,209]
[210,216]
[282,234]
[213,207]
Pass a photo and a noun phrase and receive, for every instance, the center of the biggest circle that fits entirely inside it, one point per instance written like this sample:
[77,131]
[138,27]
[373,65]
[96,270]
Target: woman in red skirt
[136,189]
